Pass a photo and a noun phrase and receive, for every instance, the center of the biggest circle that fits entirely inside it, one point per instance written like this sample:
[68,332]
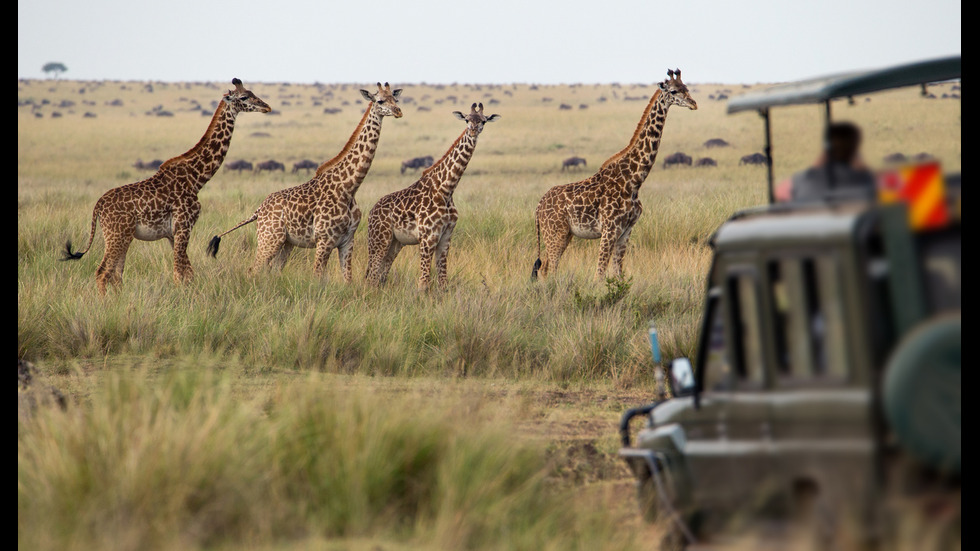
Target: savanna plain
[281,411]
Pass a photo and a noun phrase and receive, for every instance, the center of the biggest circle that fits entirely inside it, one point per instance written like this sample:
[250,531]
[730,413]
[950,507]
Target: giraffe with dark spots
[423,214]
[165,205]
[606,205]
[322,212]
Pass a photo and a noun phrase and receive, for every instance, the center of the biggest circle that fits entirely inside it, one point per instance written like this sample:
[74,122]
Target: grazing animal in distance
[606,205]
[894,158]
[322,213]
[305,164]
[705,161]
[716,142]
[239,165]
[572,162]
[417,163]
[423,214]
[152,165]
[165,205]
[753,159]
[678,158]
[270,165]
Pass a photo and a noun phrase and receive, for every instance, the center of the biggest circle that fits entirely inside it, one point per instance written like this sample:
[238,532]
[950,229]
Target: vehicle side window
[809,335]
[718,374]
[746,346]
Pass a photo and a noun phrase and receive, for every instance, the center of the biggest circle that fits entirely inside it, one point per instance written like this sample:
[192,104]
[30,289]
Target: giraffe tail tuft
[68,255]
[213,246]
[534,270]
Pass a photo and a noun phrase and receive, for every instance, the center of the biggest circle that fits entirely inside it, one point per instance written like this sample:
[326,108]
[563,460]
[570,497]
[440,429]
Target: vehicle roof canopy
[818,90]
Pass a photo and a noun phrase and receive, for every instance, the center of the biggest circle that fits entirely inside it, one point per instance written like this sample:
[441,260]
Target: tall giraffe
[423,214]
[606,205]
[321,213]
[165,205]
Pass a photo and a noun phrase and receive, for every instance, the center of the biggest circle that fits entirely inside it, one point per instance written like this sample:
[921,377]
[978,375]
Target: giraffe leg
[114,260]
[619,251]
[323,249]
[556,241]
[427,246]
[383,247]
[271,241]
[606,244]
[346,260]
[442,254]
[183,272]
[344,252]
[279,260]
[391,253]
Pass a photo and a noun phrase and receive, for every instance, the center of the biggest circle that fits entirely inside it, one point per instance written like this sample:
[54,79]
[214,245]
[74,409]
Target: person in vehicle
[845,174]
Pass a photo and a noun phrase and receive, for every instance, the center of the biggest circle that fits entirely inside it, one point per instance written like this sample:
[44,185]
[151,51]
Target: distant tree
[54,67]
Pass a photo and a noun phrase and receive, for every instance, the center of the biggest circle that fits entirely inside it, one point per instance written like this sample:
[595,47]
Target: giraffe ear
[397,92]
[459,115]
[367,95]
[493,117]
[662,85]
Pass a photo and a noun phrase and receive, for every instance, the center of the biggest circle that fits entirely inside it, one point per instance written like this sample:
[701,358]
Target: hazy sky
[522,41]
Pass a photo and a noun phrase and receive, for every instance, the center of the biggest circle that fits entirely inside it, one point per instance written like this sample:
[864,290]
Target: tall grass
[176,459]
[492,321]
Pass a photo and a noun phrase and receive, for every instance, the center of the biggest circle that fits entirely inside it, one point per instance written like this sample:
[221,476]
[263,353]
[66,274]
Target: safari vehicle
[827,375]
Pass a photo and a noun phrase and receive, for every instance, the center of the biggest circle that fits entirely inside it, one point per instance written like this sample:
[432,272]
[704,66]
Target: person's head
[843,141]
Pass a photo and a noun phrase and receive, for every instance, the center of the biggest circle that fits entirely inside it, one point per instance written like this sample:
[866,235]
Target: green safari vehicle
[826,383]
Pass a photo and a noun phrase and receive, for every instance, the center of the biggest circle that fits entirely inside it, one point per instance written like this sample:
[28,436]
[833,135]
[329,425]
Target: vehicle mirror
[681,377]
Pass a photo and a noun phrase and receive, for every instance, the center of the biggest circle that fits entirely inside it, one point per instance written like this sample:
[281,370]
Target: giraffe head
[385,100]
[674,91]
[475,120]
[241,100]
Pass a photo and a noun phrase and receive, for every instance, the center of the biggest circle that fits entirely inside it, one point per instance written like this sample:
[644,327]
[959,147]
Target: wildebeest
[716,142]
[271,165]
[678,158]
[572,162]
[152,165]
[753,159]
[417,163]
[705,161]
[894,158]
[239,165]
[306,164]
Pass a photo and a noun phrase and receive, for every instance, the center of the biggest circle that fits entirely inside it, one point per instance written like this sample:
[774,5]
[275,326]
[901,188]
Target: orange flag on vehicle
[922,188]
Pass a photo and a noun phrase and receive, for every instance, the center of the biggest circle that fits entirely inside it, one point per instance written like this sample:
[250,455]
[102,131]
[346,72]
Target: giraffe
[165,205]
[423,213]
[322,212]
[606,205]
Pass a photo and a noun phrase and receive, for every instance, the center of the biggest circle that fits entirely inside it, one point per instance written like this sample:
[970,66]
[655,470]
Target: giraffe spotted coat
[606,205]
[322,212]
[165,205]
[423,214]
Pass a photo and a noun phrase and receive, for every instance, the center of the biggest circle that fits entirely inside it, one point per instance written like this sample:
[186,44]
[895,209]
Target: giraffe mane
[348,146]
[636,133]
[200,143]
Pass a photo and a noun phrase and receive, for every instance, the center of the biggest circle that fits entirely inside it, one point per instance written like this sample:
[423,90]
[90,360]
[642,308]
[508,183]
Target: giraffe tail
[537,263]
[67,254]
[216,240]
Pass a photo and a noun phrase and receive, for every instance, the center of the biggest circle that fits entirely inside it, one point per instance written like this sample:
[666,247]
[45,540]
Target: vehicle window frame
[788,379]
[734,332]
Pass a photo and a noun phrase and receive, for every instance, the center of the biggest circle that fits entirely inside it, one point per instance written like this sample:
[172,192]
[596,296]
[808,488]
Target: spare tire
[921,392]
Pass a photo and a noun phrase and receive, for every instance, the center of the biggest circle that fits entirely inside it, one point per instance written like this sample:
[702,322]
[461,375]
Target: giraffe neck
[445,173]
[201,162]
[632,165]
[348,168]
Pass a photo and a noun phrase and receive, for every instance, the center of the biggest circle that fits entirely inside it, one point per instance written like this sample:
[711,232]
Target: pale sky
[506,41]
